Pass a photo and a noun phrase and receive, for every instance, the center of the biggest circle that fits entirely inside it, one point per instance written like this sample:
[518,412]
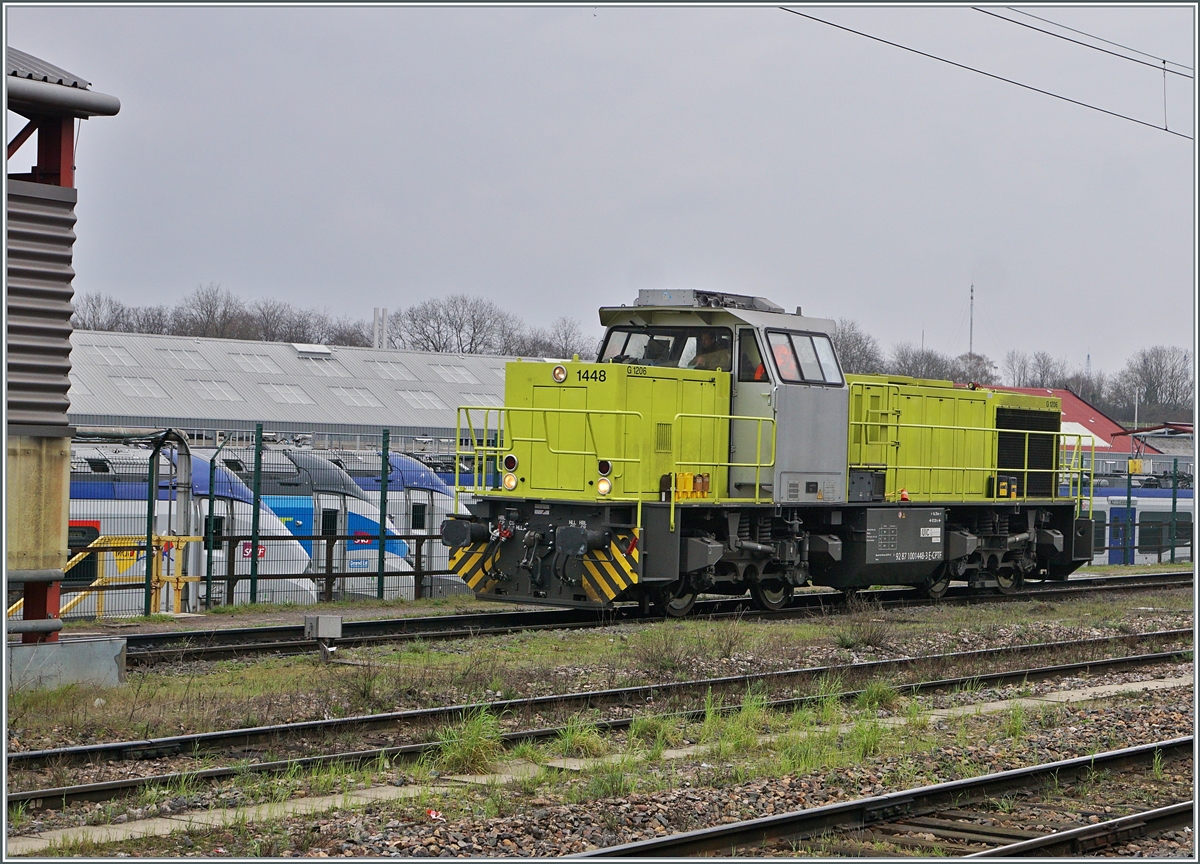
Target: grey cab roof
[139,380]
[23,65]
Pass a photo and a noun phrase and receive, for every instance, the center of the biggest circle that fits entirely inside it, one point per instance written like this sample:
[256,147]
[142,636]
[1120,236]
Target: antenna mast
[971,336]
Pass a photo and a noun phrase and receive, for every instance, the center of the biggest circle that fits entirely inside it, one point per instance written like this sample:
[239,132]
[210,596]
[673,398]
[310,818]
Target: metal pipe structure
[384,476]
[151,508]
[258,446]
[208,530]
[41,97]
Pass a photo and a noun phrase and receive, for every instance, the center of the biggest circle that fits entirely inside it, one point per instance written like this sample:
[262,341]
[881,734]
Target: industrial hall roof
[141,380]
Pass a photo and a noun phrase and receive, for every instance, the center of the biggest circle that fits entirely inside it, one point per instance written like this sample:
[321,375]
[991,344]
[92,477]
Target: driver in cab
[713,352]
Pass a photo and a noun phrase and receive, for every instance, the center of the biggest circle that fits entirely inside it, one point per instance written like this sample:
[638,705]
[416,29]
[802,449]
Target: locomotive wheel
[772,595]
[676,601]
[1008,581]
[938,585]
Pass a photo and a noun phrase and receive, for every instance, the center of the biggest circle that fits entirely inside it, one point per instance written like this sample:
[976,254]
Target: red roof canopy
[1091,418]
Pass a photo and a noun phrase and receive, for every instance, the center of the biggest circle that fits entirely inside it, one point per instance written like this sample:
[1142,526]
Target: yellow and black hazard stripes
[468,562]
[608,572]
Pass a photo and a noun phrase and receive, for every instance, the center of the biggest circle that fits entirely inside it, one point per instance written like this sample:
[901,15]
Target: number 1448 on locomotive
[716,447]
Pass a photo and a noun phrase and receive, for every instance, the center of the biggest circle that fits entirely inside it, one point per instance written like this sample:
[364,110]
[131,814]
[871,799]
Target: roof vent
[711,299]
[305,350]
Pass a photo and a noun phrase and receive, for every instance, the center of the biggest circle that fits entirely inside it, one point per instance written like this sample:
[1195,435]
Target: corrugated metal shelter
[204,385]
[37,295]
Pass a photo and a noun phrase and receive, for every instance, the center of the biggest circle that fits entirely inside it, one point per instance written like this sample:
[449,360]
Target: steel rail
[880,809]
[149,648]
[199,741]
[1086,838]
[105,790]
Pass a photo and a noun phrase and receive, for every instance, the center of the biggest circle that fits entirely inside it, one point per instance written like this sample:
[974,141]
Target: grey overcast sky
[558,159]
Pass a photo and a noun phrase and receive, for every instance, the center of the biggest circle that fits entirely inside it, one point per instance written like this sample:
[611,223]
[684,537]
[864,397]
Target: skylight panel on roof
[112,355]
[421,399]
[393,371]
[215,391]
[325,366]
[485,399]
[182,358]
[356,397]
[141,388]
[287,394]
[78,388]
[256,363]
[454,374]
[499,373]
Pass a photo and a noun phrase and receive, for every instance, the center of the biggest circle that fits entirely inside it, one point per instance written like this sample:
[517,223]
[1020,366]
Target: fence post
[419,571]
[258,447]
[329,547]
[1174,502]
[385,473]
[1126,553]
[230,575]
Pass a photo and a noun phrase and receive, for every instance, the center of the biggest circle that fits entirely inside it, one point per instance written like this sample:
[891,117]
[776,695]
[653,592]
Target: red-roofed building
[1080,417]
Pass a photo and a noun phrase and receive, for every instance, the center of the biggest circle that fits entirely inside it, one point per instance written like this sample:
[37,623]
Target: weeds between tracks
[206,696]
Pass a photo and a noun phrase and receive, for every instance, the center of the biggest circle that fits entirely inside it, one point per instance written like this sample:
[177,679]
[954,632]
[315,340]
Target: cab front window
[708,348]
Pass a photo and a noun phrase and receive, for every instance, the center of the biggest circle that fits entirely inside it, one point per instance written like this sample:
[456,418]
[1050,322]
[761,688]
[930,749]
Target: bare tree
[96,311]
[908,359]
[210,310]
[1162,375]
[856,349]
[268,319]
[973,368]
[1016,368]
[1045,371]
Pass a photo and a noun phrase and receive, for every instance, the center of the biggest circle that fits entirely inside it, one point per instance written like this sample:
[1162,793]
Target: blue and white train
[314,497]
[108,498]
[1150,520]
[418,501]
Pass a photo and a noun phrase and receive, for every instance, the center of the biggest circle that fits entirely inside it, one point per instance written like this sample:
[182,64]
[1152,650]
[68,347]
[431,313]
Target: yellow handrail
[1060,441]
[757,464]
[480,449]
[105,544]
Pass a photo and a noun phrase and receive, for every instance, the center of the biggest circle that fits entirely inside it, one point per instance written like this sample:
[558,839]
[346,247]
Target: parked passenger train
[312,496]
[418,501]
[1151,520]
[108,498]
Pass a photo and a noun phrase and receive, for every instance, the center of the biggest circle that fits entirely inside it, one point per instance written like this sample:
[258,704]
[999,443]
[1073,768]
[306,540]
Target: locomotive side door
[753,396]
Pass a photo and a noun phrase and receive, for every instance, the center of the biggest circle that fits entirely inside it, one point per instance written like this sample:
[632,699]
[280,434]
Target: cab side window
[785,358]
[805,358]
[750,361]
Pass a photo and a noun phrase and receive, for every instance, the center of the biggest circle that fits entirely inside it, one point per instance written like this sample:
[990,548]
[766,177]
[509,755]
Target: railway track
[57,797]
[936,811]
[145,649]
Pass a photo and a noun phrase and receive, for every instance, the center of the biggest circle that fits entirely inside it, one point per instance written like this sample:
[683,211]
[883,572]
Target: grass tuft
[471,746]
[581,739]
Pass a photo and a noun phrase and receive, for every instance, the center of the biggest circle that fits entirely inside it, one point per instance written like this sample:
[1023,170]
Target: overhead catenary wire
[1099,39]
[988,74]
[1154,66]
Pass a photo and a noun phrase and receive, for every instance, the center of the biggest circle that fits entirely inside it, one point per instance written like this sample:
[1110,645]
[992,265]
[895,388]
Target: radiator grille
[662,437]
[1043,451]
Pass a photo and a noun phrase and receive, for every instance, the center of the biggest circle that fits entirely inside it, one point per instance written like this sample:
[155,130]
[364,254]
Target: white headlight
[559,373]
[603,485]
[510,482]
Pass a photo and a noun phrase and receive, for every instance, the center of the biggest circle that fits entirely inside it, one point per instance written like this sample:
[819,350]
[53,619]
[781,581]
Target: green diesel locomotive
[716,447]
